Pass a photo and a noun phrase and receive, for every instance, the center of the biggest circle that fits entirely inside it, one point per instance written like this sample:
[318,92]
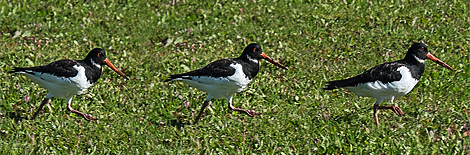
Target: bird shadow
[350,118]
[178,123]
[15,116]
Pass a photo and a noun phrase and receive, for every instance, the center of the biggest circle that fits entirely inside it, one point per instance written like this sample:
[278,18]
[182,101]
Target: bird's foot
[251,113]
[88,117]
[397,110]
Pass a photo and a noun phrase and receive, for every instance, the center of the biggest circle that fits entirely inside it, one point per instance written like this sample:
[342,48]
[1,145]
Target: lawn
[319,41]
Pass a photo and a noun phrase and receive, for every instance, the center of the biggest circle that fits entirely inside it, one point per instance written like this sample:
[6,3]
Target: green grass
[320,41]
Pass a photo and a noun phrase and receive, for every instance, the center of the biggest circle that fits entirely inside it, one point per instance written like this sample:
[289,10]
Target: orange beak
[442,63]
[266,57]
[114,68]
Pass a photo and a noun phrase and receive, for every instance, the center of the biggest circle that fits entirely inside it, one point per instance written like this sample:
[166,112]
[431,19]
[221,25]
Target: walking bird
[66,78]
[223,78]
[389,80]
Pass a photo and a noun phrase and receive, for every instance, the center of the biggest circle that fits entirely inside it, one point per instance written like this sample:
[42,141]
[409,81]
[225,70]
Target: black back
[221,68]
[65,68]
[62,68]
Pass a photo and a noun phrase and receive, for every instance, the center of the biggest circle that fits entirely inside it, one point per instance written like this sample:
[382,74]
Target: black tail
[28,70]
[167,80]
[341,83]
[17,69]
[173,77]
[176,76]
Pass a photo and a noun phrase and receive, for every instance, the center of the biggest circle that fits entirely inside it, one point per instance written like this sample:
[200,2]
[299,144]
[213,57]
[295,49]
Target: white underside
[219,87]
[61,87]
[387,91]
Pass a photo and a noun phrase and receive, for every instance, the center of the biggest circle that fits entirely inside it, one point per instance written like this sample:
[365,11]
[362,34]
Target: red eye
[99,53]
[254,49]
[422,49]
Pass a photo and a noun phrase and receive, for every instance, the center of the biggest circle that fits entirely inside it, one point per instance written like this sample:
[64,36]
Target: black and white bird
[66,78]
[223,78]
[389,80]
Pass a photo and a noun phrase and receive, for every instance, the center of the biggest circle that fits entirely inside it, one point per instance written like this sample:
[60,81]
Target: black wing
[219,68]
[61,68]
[384,73]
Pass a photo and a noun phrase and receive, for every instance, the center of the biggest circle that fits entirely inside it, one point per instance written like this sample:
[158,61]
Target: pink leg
[87,117]
[394,108]
[250,113]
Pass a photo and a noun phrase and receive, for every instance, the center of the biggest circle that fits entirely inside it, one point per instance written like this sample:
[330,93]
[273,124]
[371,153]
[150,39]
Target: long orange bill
[266,57]
[442,63]
[114,68]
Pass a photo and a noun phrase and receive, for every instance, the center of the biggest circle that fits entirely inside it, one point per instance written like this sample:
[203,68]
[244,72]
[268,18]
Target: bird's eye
[99,54]
[254,49]
[422,49]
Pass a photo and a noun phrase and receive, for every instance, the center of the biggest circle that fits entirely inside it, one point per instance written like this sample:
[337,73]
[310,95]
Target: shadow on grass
[15,116]
[351,117]
[178,123]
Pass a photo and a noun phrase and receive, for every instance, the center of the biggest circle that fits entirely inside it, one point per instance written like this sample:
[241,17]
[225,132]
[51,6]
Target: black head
[418,52]
[97,57]
[253,52]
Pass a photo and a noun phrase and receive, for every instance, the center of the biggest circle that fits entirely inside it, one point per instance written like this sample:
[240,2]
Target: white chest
[239,78]
[80,80]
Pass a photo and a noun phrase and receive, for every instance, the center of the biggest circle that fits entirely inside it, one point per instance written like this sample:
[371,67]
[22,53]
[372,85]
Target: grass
[320,41]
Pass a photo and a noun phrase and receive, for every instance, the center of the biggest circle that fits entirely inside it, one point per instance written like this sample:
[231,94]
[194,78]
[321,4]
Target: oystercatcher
[66,78]
[389,80]
[223,78]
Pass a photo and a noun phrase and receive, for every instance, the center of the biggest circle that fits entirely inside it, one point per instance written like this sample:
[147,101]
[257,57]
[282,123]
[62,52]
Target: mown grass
[320,41]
